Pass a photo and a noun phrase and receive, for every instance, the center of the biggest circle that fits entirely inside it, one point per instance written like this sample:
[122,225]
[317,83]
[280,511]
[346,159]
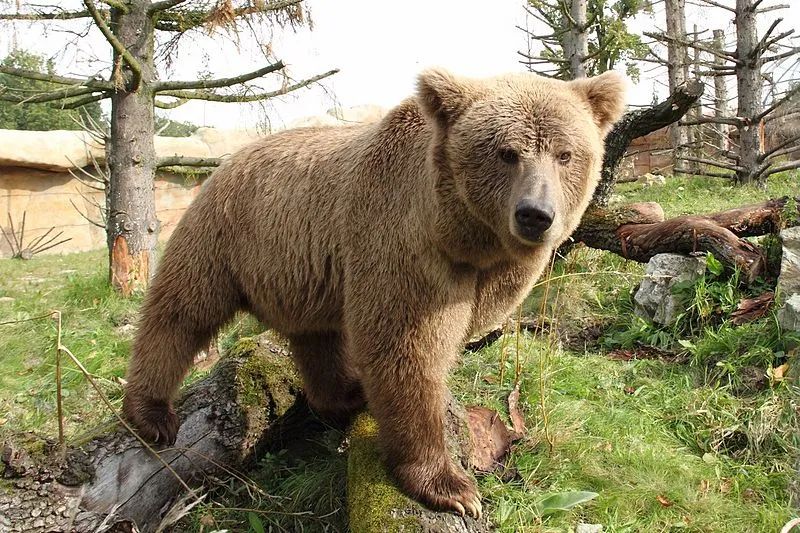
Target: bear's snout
[533,217]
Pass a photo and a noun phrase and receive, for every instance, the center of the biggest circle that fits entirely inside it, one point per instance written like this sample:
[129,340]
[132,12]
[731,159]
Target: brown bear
[377,250]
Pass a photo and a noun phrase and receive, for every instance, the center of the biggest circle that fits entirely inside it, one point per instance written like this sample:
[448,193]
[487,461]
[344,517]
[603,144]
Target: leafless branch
[721,6]
[724,54]
[774,169]
[185,161]
[54,78]
[216,97]
[52,15]
[778,57]
[118,47]
[44,97]
[160,104]
[164,5]
[775,105]
[711,162]
[215,83]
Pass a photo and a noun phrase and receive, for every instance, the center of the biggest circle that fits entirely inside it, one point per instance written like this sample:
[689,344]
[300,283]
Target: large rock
[789,280]
[205,142]
[655,299]
[57,150]
[374,503]
[789,314]
[342,116]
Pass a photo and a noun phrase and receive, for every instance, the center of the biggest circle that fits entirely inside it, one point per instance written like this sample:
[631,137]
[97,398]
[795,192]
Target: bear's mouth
[529,235]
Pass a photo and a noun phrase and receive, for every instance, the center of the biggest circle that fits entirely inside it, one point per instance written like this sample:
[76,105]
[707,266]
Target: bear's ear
[444,97]
[606,96]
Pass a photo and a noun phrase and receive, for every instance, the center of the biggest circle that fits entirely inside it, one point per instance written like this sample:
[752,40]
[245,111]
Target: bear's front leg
[404,351]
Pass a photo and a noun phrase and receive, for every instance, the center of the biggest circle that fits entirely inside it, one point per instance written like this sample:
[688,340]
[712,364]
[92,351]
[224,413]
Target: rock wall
[35,177]
[46,198]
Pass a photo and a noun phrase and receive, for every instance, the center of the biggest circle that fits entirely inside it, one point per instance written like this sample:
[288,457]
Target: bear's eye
[565,157]
[509,156]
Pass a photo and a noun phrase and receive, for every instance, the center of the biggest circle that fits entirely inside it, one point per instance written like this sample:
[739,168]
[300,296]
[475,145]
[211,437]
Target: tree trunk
[639,123]
[576,42]
[694,133]
[132,228]
[720,95]
[677,68]
[749,85]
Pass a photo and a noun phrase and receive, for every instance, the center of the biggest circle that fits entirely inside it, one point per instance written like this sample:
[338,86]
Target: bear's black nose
[533,217]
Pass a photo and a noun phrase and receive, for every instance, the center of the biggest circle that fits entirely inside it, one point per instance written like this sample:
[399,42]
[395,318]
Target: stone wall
[37,167]
[46,198]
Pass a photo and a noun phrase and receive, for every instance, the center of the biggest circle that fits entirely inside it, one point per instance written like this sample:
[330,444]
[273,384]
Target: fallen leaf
[726,485]
[490,379]
[749,495]
[490,437]
[664,501]
[750,309]
[777,374]
[705,486]
[517,421]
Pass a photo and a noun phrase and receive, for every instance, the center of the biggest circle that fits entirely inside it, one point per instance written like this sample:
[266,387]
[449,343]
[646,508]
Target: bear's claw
[154,420]
[441,489]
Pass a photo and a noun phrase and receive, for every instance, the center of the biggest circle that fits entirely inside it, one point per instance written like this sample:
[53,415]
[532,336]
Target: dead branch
[216,83]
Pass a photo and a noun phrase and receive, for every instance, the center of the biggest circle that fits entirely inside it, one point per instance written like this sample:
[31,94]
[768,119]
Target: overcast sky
[379,48]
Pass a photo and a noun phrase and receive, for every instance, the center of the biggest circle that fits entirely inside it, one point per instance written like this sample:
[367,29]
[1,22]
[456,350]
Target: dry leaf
[726,485]
[490,437]
[777,374]
[664,501]
[517,421]
[705,486]
[750,309]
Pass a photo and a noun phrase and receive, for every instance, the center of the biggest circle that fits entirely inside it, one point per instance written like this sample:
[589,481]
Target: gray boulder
[655,300]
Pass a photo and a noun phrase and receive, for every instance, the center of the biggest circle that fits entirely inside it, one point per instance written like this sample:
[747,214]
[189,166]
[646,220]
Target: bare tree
[720,94]
[753,62]
[130,29]
[678,73]
[576,41]
[580,37]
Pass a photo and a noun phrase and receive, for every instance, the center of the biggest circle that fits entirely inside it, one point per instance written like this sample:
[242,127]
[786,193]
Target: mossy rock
[375,504]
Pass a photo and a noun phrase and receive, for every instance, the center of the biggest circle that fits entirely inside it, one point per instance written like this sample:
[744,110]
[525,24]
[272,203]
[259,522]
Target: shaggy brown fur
[377,250]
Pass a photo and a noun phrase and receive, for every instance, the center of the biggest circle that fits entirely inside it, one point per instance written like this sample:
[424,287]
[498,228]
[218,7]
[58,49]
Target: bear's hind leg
[184,307]
[332,386]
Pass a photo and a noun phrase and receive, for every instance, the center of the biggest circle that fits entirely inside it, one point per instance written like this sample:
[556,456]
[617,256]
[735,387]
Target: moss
[371,493]
[265,372]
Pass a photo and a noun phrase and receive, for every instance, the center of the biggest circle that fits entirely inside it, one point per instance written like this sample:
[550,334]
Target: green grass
[97,326]
[694,445]
[93,328]
[635,432]
[696,194]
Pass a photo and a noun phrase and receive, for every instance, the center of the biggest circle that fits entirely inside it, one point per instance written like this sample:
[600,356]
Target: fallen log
[114,483]
[639,231]
[251,403]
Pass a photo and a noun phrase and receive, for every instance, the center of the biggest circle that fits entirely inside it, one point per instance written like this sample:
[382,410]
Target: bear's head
[523,152]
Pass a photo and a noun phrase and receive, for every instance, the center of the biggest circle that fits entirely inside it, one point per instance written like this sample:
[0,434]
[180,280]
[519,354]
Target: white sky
[379,48]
